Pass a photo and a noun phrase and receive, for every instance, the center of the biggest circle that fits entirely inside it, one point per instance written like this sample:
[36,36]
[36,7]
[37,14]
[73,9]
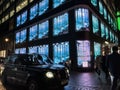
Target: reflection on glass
[83,52]
[43,6]
[43,49]
[33,33]
[95,24]
[56,3]
[61,52]
[43,30]
[97,49]
[60,24]
[82,19]
[33,11]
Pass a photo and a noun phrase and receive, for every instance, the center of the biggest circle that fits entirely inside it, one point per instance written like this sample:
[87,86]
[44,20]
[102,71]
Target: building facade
[76,30]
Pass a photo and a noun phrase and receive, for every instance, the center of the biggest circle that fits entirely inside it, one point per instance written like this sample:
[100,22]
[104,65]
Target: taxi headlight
[49,75]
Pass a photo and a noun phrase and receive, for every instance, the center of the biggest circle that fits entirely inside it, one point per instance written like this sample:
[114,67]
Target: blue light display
[24,17]
[43,6]
[33,33]
[61,52]
[17,37]
[20,50]
[95,24]
[82,19]
[33,11]
[56,3]
[83,51]
[33,49]
[97,49]
[23,36]
[43,49]
[60,25]
[43,30]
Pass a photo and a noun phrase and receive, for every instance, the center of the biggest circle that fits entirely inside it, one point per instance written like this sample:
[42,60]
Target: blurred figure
[104,65]
[113,63]
[98,64]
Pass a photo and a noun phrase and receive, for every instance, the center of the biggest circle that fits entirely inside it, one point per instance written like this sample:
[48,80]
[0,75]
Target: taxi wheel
[32,85]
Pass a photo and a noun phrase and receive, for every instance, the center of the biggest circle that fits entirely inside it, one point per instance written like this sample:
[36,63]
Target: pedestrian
[113,63]
[104,65]
[98,64]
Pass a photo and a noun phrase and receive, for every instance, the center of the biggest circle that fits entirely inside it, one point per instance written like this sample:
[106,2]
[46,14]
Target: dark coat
[113,63]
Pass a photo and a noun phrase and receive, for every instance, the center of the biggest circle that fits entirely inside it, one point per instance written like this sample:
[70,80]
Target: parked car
[34,71]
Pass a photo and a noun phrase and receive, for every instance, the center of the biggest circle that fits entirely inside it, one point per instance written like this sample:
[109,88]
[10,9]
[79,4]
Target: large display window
[61,52]
[33,33]
[21,36]
[43,49]
[83,53]
[97,49]
[95,24]
[60,24]
[56,3]
[43,30]
[43,6]
[33,11]
[82,19]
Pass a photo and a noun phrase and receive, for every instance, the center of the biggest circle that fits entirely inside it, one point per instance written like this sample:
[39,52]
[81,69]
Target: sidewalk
[87,81]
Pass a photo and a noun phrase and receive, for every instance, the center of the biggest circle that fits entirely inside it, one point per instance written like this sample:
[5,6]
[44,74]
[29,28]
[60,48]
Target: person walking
[113,64]
[104,66]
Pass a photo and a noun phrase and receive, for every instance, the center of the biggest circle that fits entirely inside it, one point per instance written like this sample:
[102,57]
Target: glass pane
[24,17]
[43,49]
[56,3]
[33,11]
[23,36]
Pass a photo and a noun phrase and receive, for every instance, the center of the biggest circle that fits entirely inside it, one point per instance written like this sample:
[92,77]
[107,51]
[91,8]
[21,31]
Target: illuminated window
[33,49]
[21,5]
[60,24]
[94,2]
[43,6]
[101,8]
[21,36]
[83,52]
[82,19]
[97,49]
[31,0]
[22,18]
[102,30]
[33,33]
[43,30]
[95,24]
[61,52]
[12,12]
[43,49]
[56,3]
[33,11]
[7,17]
[105,13]
[107,33]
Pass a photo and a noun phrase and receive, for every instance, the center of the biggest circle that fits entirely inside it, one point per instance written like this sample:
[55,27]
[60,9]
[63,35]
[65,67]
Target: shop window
[33,11]
[33,33]
[83,53]
[82,19]
[95,25]
[94,2]
[97,49]
[43,6]
[43,30]
[60,52]
[43,49]
[56,3]
[60,24]
[33,49]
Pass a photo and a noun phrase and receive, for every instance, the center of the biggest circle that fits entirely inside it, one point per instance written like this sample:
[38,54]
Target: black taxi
[34,71]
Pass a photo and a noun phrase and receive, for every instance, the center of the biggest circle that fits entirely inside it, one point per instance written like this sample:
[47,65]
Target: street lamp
[6,39]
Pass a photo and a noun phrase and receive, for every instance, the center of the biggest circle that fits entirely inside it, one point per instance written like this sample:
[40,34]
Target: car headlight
[49,74]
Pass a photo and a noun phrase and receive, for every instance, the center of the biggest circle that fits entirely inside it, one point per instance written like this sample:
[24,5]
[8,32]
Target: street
[78,81]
